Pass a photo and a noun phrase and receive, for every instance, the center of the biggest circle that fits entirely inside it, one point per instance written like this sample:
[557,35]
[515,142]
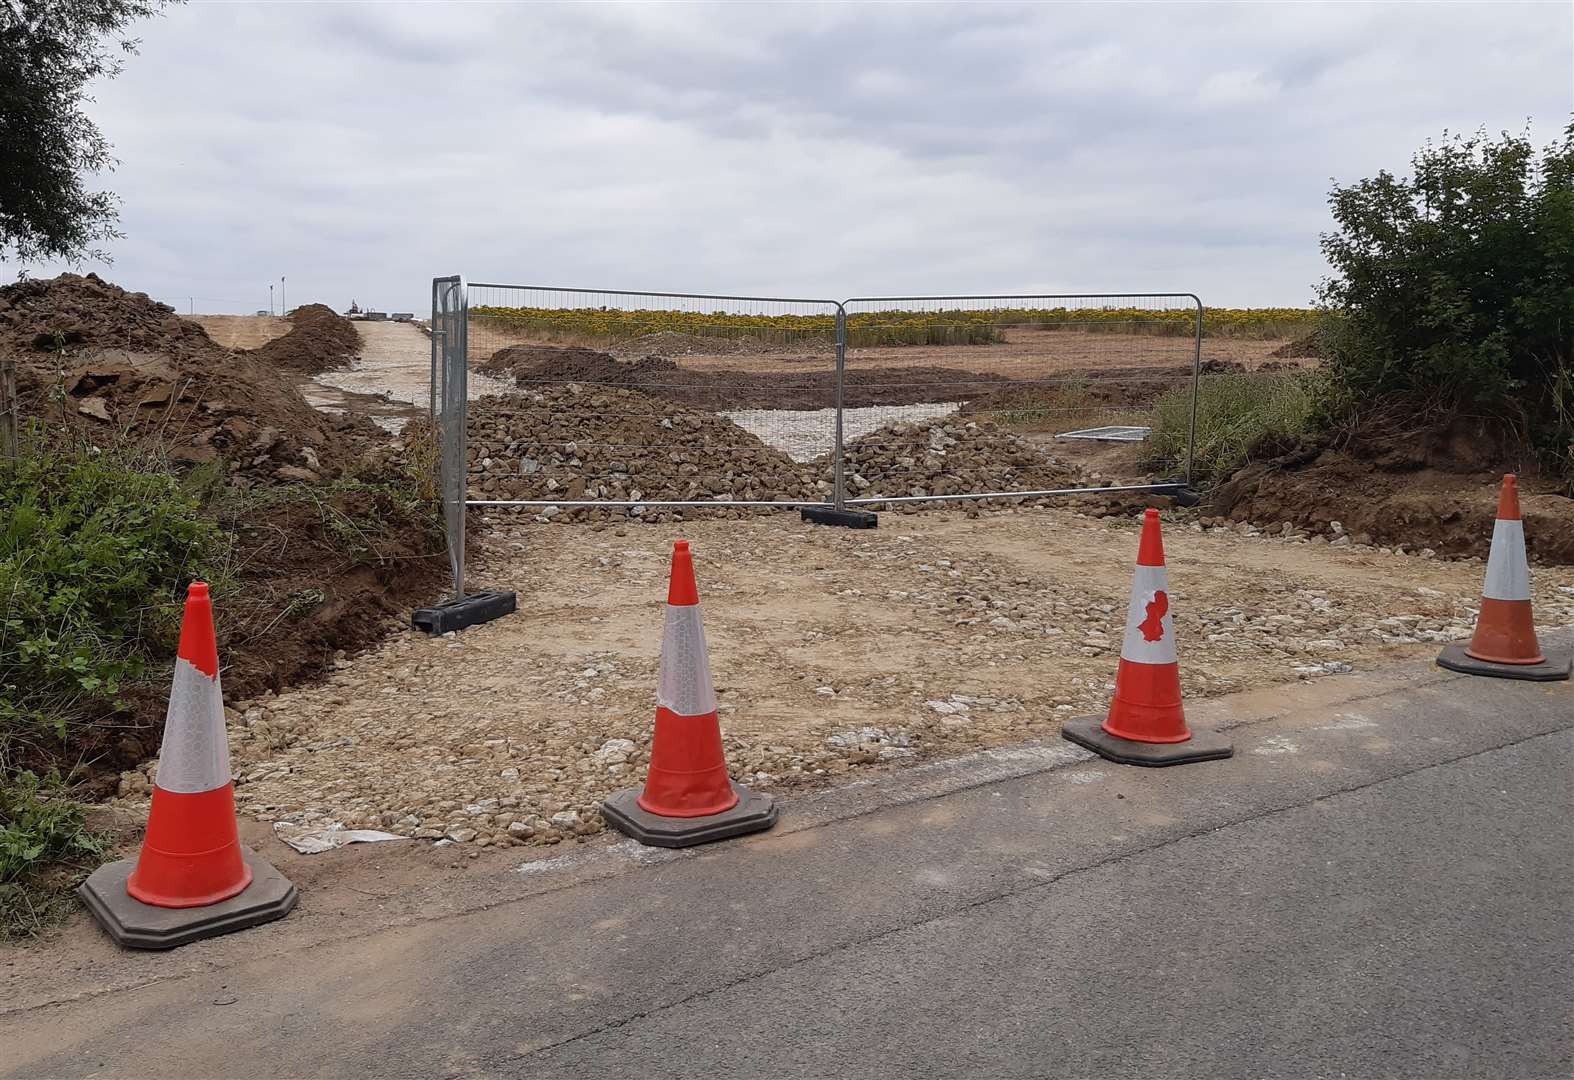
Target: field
[975,325]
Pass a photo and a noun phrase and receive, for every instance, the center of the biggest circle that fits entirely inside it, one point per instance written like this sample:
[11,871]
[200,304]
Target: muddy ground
[330,542]
[834,652]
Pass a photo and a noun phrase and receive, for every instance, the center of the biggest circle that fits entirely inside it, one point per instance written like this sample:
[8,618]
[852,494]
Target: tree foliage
[50,50]
[1454,288]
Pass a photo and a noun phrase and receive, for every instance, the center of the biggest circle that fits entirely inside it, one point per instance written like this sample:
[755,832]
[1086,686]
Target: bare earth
[1027,353]
[834,652]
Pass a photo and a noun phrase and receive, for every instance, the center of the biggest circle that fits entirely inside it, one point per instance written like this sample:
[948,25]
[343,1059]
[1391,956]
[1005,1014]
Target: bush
[1453,290]
[45,848]
[1234,412]
[94,555]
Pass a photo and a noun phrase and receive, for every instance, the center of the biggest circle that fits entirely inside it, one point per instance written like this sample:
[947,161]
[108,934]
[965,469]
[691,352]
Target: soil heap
[117,368]
[948,457]
[581,442]
[320,340]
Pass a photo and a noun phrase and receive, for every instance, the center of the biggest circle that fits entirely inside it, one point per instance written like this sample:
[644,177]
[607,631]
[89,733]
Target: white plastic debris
[315,841]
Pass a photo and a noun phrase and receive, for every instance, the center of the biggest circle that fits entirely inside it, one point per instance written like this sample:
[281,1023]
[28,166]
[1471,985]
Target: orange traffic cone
[1504,644]
[689,797]
[193,879]
[1146,724]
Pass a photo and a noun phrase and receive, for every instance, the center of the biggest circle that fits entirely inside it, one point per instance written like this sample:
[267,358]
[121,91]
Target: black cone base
[458,614]
[135,925]
[1088,731]
[1552,669]
[754,812]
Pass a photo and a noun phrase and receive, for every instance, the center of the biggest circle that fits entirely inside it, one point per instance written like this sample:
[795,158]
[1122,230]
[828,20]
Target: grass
[1234,411]
[46,849]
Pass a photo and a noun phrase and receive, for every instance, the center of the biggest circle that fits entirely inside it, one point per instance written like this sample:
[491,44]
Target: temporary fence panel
[1042,365]
[645,401]
[448,413]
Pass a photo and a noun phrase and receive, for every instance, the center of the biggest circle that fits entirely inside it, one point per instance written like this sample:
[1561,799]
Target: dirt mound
[321,339]
[1313,486]
[949,457]
[115,367]
[577,442]
[540,367]
[1309,347]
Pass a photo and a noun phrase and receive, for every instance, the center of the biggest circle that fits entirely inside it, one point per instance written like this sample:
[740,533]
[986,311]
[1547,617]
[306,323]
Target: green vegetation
[982,326]
[1454,292]
[95,550]
[1234,412]
[45,849]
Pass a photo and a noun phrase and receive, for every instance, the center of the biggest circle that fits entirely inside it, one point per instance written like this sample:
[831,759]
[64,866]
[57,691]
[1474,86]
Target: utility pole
[284,307]
[270,299]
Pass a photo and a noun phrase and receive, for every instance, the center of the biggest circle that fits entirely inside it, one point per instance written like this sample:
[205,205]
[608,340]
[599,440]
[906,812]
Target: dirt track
[243,331]
[833,651]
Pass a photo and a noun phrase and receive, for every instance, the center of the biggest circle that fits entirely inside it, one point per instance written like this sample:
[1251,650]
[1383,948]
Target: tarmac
[1380,882]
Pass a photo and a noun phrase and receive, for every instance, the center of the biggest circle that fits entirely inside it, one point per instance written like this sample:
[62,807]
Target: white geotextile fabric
[195,755]
[1147,616]
[685,685]
[1508,575]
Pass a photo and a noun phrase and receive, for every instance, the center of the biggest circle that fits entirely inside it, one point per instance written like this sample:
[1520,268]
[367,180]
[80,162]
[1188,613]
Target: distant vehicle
[376,316]
[264,311]
[402,316]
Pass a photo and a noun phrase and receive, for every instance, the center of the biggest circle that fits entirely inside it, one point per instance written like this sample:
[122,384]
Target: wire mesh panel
[448,400]
[987,395]
[650,404]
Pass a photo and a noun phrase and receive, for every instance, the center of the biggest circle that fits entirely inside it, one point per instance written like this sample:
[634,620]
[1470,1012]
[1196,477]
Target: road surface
[1378,884]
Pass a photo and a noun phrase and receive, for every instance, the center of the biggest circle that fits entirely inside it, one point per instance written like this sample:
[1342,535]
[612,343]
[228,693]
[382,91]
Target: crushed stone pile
[950,456]
[577,442]
[116,368]
[320,339]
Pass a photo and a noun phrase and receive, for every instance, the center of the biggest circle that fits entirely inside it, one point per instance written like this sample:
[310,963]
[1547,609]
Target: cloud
[787,149]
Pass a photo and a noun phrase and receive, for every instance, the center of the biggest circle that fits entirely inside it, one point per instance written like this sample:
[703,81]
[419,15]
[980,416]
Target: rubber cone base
[755,812]
[135,925]
[1552,669]
[1088,731]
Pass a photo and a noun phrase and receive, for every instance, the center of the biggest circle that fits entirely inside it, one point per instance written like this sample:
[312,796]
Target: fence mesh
[654,404]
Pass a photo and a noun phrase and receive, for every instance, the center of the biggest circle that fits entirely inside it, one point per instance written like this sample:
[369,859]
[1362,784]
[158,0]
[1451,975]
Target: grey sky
[822,150]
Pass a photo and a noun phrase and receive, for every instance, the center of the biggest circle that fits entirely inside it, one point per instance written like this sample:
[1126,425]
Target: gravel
[934,635]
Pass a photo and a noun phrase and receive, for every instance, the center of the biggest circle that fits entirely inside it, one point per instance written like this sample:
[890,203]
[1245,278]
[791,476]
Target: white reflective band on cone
[196,752]
[1145,587]
[685,685]
[1508,575]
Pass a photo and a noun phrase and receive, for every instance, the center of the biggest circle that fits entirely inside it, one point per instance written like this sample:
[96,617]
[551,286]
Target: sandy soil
[833,652]
[242,331]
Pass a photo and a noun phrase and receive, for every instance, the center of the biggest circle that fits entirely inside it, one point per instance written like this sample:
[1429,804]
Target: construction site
[396,730]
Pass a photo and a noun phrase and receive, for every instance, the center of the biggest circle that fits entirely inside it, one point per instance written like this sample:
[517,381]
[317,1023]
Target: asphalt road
[1378,884]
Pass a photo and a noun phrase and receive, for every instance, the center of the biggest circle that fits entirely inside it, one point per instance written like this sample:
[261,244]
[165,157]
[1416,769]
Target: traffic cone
[688,797]
[1146,724]
[193,879]
[1504,644]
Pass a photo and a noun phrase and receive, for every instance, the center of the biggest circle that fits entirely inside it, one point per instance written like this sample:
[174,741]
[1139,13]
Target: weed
[1234,411]
[45,849]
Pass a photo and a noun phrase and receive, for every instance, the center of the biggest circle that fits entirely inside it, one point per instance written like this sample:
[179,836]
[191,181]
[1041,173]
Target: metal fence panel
[449,410]
[646,374]
[633,401]
[1050,366]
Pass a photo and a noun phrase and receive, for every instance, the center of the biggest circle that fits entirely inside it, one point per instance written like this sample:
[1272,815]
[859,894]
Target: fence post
[1196,379]
[8,409]
[839,479]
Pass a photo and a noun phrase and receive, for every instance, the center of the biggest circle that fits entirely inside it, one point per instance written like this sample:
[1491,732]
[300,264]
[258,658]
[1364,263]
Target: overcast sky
[809,150]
